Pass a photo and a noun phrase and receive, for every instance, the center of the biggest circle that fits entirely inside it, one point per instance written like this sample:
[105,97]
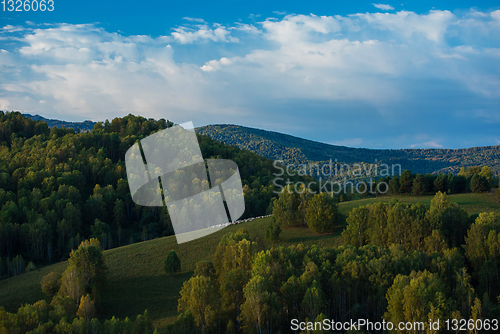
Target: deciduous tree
[322,214]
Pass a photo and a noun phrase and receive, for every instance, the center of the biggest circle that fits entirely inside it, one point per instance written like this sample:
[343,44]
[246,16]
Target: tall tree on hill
[440,183]
[487,173]
[172,264]
[394,185]
[479,183]
[322,214]
[418,185]
[88,265]
[405,182]
[286,208]
[273,230]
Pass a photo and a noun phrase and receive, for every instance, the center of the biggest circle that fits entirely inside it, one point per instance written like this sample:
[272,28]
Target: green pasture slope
[473,203]
[136,280]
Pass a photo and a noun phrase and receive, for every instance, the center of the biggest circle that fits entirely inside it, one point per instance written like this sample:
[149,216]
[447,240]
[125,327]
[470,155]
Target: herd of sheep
[239,221]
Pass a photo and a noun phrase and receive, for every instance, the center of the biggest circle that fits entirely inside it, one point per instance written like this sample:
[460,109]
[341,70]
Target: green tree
[440,183]
[322,214]
[260,309]
[483,251]
[476,310]
[486,173]
[89,261]
[313,300]
[205,268]
[405,182]
[416,298]
[418,185]
[143,324]
[479,184]
[394,185]
[356,232]
[172,264]
[86,310]
[50,284]
[72,284]
[199,296]
[286,208]
[119,212]
[273,230]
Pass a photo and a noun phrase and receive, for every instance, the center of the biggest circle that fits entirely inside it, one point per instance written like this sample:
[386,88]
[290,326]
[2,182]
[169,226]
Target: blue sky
[360,74]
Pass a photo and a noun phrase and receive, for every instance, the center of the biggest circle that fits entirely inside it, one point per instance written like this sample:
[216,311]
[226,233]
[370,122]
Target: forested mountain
[290,149]
[58,187]
[296,150]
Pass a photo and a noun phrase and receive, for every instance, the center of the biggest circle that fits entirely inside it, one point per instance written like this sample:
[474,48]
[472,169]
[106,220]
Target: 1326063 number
[27,5]
[471,325]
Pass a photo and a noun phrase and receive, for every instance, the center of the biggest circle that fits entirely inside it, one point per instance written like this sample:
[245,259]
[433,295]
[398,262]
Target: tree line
[473,179]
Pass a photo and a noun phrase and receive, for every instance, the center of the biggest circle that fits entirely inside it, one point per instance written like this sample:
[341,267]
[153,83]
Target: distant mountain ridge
[84,126]
[295,150]
[290,149]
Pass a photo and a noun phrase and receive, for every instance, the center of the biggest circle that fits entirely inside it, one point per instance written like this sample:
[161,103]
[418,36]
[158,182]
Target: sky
[354,73]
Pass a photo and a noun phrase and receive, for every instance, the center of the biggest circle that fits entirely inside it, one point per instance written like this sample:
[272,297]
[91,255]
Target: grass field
[473,203]
[136,280]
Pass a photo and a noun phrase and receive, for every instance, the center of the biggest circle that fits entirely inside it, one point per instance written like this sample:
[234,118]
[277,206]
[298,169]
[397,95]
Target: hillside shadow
[130,296]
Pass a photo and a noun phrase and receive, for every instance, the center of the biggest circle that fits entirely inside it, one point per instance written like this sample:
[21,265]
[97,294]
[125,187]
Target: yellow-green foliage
[135,279]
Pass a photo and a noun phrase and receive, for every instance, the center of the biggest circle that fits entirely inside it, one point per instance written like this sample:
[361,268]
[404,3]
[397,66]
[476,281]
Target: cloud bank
[384,79]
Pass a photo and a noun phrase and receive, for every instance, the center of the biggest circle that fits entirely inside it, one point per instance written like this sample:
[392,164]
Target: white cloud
[186,35]
[249,28]
[382,6]
[11,28]
[193,19]
[377,67]
[294,28]
[408,24]
[429,144]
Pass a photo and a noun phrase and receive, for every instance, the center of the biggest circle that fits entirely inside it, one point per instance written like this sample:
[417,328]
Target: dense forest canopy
[400,263]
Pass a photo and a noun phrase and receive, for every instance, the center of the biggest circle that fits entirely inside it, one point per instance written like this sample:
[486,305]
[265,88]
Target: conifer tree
[172,264]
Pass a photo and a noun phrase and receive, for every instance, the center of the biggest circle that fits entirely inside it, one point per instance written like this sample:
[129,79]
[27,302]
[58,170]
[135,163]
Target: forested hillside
[296,150]
[59,187]
[305,263]
[400,263]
